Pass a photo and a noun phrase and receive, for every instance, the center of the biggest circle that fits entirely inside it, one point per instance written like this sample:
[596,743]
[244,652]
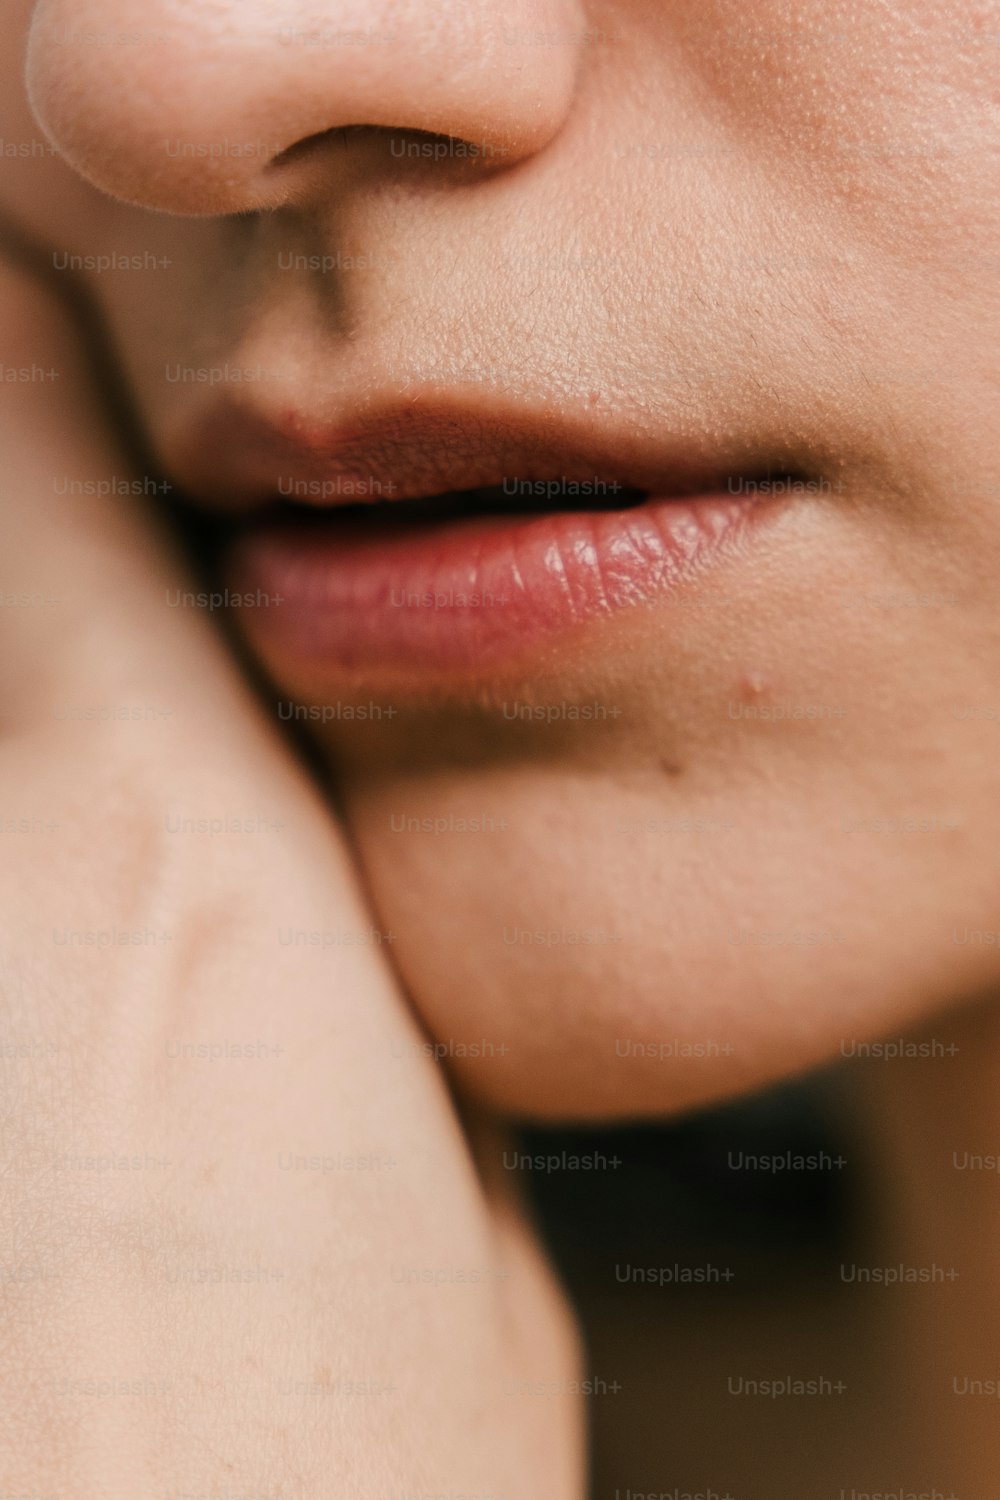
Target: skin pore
[769,235]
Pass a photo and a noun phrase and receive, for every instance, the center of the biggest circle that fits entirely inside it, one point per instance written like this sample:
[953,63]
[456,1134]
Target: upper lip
[435,443]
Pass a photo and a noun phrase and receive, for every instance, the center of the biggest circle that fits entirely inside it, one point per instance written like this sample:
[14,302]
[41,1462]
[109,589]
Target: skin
[247,1244]
[789,223]
[837,195]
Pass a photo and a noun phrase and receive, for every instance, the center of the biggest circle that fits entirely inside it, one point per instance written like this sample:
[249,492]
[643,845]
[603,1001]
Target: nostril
[429,146]
[311,145]
[398,144]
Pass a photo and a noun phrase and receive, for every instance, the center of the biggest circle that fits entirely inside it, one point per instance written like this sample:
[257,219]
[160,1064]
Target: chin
[577,952]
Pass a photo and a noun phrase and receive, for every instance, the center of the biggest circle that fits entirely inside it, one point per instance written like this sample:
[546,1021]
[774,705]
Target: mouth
[353,561]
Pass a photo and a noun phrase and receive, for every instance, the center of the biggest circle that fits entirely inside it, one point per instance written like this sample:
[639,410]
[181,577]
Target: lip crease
[428,599]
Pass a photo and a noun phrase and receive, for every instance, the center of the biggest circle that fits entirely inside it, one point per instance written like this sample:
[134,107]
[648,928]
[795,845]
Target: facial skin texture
[770,229]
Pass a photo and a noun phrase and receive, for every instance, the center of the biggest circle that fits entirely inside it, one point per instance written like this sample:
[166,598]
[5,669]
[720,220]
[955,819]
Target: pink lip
[450,597]
[414,602]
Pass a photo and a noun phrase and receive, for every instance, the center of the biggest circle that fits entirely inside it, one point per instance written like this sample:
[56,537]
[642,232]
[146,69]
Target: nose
[197,106]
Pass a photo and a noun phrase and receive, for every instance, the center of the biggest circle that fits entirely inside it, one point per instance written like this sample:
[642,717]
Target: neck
[933,1138]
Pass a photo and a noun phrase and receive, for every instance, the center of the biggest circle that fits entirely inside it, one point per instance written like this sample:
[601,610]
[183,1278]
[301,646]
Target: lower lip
[453,596]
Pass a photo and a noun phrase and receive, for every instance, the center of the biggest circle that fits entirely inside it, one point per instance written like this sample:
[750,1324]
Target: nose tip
[198,106]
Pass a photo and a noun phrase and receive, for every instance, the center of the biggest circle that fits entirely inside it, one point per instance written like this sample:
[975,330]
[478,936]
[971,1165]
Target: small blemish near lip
[753,685]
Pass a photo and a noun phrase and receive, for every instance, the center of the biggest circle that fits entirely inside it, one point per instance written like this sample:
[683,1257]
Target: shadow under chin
[698,1186]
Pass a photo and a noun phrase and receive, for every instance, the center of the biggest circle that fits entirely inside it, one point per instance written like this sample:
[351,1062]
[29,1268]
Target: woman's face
[664,800]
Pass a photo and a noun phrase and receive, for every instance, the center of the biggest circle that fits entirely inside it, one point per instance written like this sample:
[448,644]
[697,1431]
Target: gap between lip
[531,497]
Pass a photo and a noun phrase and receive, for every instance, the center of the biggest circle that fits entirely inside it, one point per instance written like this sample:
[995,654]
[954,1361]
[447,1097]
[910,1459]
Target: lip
[407,444]
[455,597]
[419,601]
